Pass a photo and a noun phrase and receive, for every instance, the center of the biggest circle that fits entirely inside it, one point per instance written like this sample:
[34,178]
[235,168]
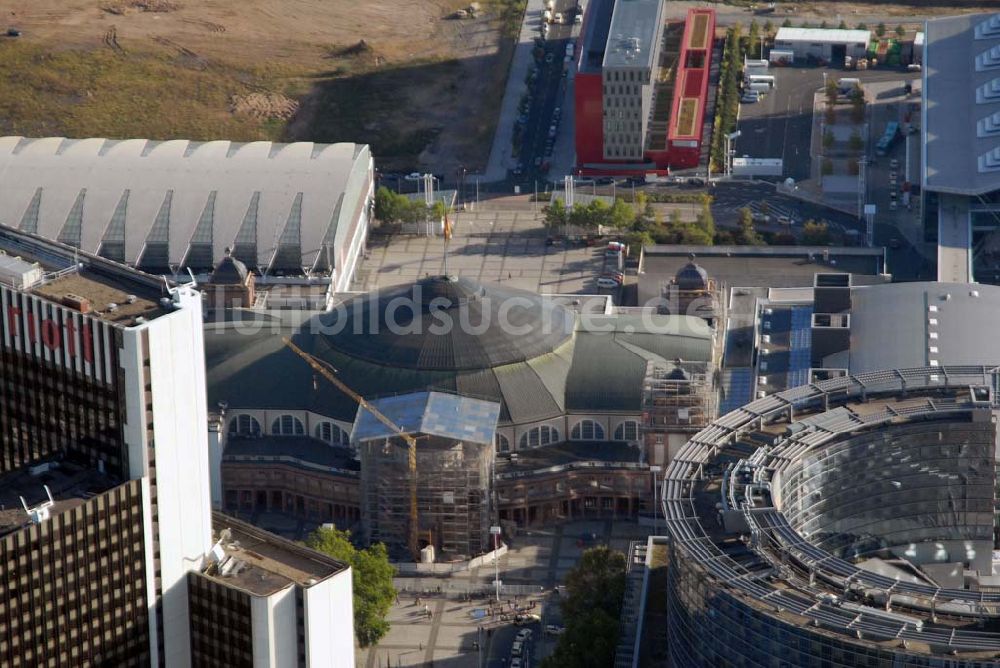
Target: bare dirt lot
[397,74]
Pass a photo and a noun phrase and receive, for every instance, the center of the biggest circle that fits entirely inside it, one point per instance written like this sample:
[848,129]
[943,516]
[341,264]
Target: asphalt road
[548,92]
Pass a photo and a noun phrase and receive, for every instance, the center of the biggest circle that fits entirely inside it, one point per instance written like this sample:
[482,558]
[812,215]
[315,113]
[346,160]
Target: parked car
[414,176]
[609,283]
[526,618]
[516,648]
[516,663]
[554,630]
[13,32]
[524,635]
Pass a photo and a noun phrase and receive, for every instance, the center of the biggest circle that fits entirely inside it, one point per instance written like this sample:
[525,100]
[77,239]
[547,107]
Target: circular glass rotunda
[850,522]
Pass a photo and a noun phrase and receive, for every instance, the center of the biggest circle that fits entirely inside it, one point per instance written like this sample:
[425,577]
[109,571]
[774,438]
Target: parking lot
[780,124]
[450,636]
[544,117]
[500,245]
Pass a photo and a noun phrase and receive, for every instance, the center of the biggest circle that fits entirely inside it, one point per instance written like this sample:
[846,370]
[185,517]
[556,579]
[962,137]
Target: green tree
[390,207]
[675,218]
[372,581]
[439,210]
[855,143]
[842,25]
[858,104]
[694,234]
[861,26]
[827,139]
[880,30]
[555,213]
[746,233]
[595,588]
[768,28]
[826,167]
[414,211]
[705,219]
[900,31]
[636,240]
[831,91]
[787,23]
[815,234]
[621,215]
[824,25]
[753,39]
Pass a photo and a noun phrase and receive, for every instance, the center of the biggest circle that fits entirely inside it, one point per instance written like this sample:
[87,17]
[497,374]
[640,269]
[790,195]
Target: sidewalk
[500,154]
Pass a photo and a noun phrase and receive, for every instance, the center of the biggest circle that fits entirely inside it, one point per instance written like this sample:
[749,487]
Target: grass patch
[98,93]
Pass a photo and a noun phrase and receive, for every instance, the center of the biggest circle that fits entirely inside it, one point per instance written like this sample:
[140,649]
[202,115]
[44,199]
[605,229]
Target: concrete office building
[633,50]
[296,215]
[103,442]
[849,521]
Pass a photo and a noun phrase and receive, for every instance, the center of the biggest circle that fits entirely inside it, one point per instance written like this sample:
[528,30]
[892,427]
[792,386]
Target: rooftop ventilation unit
[20,274]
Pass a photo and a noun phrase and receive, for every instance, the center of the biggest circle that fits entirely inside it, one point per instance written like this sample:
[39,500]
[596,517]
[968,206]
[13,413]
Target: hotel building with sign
[106,521]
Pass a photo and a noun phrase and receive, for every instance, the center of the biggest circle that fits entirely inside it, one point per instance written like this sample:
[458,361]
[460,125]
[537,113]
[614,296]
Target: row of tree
[880,29]
[391,207]
[728,101]
[597,214]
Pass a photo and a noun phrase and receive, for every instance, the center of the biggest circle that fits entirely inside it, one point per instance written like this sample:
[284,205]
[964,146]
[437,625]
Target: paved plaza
[536,562]
[493,244]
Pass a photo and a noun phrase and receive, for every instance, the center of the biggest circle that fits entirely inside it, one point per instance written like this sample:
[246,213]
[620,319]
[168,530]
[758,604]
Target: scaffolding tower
[453,494]
[678,396]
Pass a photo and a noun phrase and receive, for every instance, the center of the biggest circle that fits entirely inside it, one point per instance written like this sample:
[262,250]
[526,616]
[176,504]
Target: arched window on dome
[587,430]
[627,431]
[332,434]
[288,425]
[244,425]
[536,436]
[503,445]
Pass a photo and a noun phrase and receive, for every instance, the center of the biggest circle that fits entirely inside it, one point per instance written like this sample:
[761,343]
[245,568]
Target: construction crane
[411,443]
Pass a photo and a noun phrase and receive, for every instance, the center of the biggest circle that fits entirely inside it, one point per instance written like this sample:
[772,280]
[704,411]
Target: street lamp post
[656,506]
[495,531]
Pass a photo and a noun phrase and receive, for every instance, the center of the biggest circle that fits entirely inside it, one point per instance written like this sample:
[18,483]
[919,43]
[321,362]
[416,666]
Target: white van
[761,78]
[759,88]
[608,283]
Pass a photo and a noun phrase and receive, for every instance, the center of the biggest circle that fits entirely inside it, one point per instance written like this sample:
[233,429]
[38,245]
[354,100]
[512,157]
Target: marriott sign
[56,334]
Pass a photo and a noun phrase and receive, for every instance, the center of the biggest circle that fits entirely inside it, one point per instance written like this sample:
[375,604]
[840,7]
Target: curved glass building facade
[845,523]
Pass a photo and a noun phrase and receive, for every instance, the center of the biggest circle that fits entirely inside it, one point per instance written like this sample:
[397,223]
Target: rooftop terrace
[114,292]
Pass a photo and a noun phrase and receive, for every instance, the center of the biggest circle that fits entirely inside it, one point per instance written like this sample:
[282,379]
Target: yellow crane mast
[411,442]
